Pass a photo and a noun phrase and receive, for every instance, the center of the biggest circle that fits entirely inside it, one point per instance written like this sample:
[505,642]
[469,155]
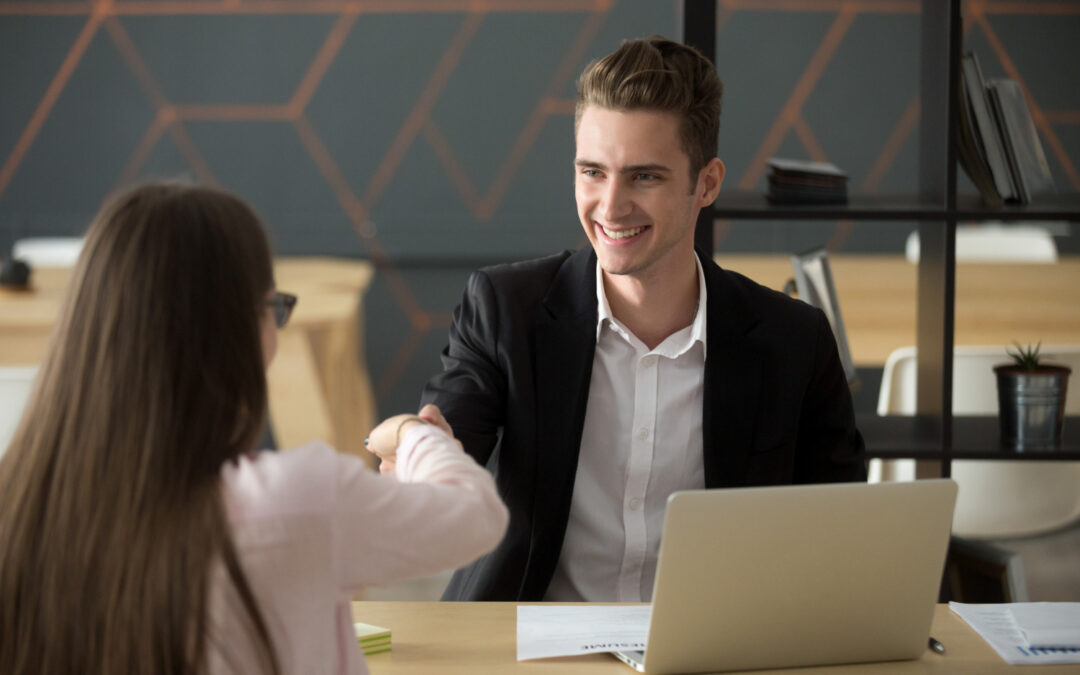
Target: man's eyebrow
[589,164]
[633,168]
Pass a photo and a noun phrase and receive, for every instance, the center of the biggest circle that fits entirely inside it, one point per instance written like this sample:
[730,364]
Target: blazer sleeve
[831,448]
[471,391]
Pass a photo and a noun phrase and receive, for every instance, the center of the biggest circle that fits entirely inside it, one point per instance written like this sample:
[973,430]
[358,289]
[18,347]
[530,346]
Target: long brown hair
[112,520]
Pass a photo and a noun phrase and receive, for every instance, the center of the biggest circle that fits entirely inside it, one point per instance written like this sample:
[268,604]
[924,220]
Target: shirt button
[648,361]
[643,434]
[635,504]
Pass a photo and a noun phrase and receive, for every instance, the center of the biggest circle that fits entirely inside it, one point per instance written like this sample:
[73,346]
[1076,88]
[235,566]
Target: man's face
[635,196]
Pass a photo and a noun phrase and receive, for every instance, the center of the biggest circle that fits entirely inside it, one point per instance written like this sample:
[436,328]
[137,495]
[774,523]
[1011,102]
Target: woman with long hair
[140,533]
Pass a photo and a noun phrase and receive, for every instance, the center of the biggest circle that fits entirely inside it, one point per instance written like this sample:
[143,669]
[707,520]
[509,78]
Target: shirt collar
[697,329]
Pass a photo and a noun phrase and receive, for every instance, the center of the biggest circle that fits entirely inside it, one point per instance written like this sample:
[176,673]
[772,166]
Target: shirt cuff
[410,443]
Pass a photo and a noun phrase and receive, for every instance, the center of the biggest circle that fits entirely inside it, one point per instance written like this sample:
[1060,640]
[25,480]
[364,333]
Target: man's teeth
[621,234]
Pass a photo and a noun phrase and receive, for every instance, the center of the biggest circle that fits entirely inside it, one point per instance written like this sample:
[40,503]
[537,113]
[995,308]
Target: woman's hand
[384,439]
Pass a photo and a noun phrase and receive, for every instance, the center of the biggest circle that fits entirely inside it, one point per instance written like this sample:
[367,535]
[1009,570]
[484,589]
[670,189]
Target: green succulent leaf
[1025,357]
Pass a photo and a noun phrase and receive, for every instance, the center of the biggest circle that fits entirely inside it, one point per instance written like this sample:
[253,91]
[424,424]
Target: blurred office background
[435,136]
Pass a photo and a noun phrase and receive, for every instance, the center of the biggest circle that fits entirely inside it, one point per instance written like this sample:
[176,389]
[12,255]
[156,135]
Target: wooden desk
[477,638]
[995,303]
[319,386]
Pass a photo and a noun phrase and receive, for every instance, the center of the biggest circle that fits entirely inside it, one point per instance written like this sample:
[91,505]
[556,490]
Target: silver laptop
[797,576]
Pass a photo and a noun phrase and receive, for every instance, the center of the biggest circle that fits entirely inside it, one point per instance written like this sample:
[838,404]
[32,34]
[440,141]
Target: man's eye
[646,176]
[591,173]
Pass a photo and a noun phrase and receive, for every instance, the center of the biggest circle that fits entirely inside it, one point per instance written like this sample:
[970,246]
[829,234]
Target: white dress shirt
[641,442]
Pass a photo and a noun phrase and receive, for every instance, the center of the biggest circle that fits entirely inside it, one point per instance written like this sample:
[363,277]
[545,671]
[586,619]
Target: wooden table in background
[480,638]
[995,303]
[319,387]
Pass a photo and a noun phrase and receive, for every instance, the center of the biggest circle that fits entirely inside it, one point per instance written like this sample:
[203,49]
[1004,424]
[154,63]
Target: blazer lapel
[733,369]
[565,344]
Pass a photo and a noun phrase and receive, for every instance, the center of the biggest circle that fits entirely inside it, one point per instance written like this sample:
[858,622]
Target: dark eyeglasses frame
[283,304]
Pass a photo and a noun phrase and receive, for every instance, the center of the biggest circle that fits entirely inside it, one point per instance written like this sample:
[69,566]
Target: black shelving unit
[933,433]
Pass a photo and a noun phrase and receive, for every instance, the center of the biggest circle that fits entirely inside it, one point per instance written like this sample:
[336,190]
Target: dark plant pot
[1031,405]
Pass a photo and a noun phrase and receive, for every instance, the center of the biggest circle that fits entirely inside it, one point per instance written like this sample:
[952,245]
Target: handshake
[384,439]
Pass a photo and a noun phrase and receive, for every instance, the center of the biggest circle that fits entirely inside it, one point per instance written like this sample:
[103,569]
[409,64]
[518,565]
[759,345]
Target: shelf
[1056,207]
[919,437]
[753,206]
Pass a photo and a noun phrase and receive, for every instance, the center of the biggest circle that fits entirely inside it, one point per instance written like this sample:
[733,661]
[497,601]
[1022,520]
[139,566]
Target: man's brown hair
[655,73]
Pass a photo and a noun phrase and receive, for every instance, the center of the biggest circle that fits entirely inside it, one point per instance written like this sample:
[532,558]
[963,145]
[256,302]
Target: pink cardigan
[313,527]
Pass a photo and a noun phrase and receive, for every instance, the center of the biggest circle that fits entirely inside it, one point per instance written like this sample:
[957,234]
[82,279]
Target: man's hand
[431,413]
[384,439]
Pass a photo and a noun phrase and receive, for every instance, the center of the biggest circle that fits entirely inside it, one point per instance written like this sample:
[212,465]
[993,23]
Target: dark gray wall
[431,138]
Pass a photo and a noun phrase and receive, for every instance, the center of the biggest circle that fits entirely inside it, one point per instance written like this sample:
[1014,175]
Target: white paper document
[999,627]
[1049,624]
[544,631]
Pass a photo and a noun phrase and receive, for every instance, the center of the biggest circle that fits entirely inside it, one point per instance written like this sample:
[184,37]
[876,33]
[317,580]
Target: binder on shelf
[794,181]
[1024,152]
[985,130]
[968,152]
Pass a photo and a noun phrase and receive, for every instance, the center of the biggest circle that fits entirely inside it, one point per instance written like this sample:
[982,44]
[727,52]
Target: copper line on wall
[45,9]
[191,154]
[538,118]
[398,362]
[806,136]
[166,113]
[234,112]
[1041,8]
[149,140]
[321,63]
[1062,116]
[135,63]
[454,171]
[355,210]
[52,94]
[415,120]
[893,144]
[324,162]
[182,7]
[558,106]
[792,108]
[830,6]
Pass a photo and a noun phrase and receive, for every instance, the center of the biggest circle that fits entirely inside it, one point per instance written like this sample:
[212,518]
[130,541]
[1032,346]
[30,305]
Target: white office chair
[48,251]
[996,244]
[15,386]
[997,498]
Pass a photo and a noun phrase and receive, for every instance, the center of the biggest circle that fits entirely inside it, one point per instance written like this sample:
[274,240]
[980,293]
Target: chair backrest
[997,499]
[48,251]
[15,386]
[997,244]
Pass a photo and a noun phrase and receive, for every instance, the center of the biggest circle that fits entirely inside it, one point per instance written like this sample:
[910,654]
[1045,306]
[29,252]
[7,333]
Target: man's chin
[621,268]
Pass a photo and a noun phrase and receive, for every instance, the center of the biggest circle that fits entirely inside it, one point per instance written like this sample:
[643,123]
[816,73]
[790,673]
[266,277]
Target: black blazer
[777,409]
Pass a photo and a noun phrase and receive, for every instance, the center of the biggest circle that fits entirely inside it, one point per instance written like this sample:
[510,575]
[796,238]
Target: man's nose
[615,202]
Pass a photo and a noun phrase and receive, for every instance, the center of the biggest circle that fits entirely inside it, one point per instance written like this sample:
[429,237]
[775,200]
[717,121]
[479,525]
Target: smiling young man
[594,384]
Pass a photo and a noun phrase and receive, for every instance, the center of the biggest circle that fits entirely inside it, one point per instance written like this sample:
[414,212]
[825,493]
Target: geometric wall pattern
[432,136]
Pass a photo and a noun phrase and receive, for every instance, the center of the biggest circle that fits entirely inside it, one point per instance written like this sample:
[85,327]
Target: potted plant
[1031,399]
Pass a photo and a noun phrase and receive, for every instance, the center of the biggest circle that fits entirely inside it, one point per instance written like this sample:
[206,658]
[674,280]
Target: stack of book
[998,147]
[794,181]
[372,639]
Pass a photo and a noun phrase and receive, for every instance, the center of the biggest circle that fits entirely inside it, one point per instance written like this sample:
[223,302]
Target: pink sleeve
[439,510]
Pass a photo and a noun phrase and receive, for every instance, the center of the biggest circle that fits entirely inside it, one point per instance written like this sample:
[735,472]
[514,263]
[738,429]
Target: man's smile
[620,234]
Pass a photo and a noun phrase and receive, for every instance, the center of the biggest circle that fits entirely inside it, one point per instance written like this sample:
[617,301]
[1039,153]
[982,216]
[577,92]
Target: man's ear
[709,180]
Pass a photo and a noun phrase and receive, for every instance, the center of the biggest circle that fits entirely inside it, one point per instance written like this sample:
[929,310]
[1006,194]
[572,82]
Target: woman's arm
[438,510]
